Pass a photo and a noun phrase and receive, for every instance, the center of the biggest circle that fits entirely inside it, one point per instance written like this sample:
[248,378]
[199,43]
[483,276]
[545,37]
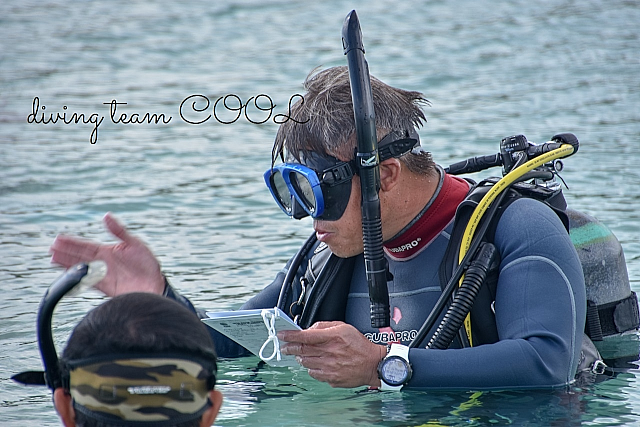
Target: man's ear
[389,174]
[63,402]
[210,414]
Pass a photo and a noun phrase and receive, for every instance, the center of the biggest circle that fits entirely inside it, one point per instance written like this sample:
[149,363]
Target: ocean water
[194,192]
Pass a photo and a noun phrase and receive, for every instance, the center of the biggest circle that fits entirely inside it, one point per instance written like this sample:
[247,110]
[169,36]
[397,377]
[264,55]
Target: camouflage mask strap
[140,389]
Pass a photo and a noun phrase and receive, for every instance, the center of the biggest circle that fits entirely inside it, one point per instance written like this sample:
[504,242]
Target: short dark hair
[327,112]
[138,323]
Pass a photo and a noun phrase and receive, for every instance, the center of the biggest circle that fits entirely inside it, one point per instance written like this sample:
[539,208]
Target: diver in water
[525,331]
[137,359]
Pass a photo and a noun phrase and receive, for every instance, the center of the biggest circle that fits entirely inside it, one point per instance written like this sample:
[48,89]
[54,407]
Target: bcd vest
[325,279]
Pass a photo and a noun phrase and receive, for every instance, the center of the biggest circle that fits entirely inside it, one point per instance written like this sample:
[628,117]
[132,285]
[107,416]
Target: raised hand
[131,266]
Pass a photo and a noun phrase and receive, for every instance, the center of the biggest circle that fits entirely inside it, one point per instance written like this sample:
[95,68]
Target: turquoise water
[194,192]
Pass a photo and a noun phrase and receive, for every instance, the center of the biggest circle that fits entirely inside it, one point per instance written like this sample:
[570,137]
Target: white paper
[247,328]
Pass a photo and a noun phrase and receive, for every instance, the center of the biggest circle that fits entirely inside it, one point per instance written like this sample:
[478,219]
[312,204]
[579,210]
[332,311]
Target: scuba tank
[612,307]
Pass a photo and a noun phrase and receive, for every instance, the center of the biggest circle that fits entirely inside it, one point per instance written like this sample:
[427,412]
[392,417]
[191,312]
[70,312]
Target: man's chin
[342,252]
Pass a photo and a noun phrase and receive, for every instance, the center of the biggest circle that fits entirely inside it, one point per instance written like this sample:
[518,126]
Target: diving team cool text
[194,109]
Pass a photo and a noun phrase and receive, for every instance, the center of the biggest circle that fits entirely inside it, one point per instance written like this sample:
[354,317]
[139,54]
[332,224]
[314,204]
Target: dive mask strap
[401,144]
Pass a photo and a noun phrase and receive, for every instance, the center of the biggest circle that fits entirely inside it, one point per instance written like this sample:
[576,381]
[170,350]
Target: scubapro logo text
[406,246]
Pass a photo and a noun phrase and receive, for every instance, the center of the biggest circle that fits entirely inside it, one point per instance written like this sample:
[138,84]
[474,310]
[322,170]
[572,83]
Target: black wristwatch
[395,370]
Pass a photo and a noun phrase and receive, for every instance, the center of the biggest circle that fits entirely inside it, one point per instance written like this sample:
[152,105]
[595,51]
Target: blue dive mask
[320,186]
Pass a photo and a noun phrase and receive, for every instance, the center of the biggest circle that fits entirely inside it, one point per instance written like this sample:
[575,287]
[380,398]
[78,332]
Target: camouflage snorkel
[368,164]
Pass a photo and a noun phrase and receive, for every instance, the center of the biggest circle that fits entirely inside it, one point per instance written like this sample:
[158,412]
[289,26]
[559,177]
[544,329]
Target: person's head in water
[139,359]
[320,175]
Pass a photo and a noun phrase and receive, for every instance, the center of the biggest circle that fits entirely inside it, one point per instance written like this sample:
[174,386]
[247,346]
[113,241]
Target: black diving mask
[320,186]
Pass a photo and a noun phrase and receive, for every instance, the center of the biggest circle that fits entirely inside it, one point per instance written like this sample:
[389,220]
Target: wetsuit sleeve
[540,311]
[226,347]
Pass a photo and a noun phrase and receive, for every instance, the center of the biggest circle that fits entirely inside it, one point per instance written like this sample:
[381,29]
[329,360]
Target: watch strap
[395,350]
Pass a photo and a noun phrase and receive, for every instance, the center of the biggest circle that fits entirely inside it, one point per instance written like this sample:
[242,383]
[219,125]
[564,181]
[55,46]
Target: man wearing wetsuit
[539,302]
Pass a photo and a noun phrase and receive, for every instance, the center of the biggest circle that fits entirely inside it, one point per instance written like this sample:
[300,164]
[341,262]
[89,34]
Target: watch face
[394,370]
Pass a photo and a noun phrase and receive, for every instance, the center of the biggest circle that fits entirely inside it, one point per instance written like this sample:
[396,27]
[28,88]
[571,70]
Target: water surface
[194,192]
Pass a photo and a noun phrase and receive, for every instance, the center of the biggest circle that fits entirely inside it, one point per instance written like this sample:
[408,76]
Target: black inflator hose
[464,298]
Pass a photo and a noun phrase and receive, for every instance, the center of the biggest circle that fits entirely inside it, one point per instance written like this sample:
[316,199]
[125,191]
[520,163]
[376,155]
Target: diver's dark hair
[325,123]
[138,323]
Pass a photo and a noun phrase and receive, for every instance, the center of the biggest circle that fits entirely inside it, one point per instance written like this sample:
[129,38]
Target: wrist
[380,354]
[395,370]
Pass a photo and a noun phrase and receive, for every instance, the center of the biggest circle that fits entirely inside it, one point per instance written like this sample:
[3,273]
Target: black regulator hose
[464,298]
[293,269]
[452,284]
[368,169]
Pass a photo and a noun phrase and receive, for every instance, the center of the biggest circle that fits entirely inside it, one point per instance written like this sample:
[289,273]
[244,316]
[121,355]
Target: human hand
[131,266]
[335,353]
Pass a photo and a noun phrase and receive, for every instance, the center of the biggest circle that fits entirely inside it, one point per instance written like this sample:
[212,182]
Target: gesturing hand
[335,353]
[131,266]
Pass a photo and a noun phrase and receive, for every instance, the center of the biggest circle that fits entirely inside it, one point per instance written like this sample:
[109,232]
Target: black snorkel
[368,165]
[75,279]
